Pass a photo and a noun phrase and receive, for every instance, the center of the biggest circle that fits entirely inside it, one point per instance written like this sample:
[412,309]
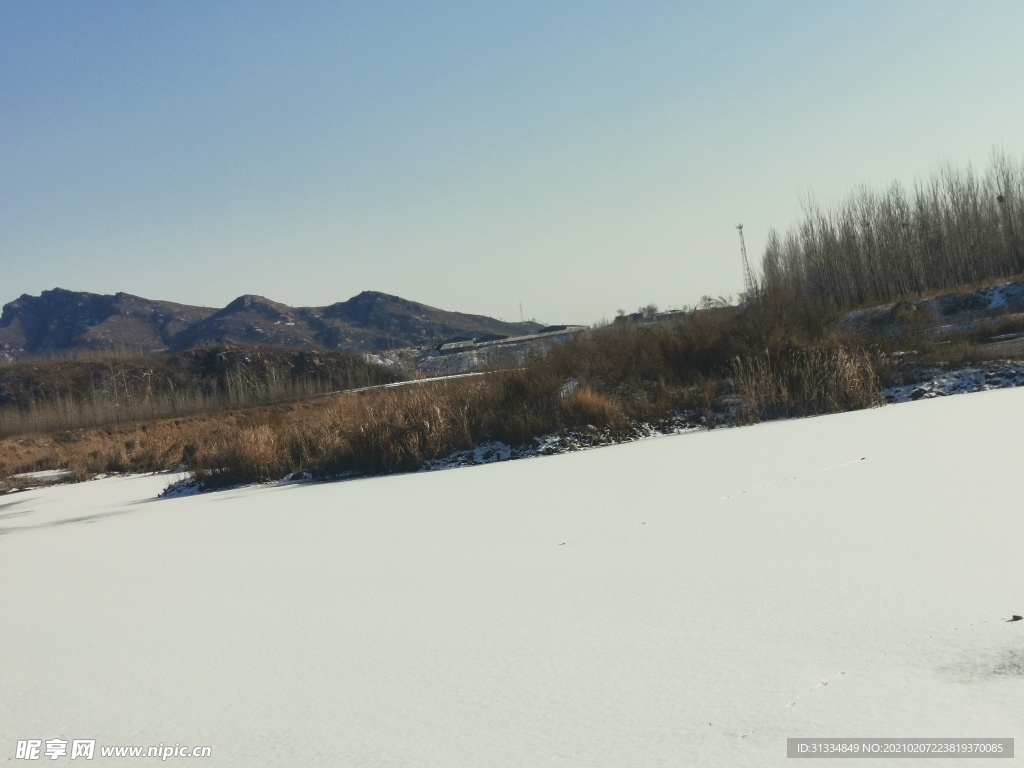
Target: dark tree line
[955,228]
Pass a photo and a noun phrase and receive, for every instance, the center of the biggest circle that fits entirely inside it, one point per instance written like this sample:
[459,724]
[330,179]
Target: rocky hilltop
[60,321]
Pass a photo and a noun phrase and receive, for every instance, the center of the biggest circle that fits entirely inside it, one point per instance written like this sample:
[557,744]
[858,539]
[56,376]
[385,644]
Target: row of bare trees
[955,228]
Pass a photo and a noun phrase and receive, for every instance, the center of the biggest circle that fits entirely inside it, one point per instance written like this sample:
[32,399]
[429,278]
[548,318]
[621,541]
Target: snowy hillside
[689,600]
[955,311]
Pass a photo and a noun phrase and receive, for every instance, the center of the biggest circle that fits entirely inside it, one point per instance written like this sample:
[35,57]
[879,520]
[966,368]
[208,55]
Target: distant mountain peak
[367,295]
[253,303]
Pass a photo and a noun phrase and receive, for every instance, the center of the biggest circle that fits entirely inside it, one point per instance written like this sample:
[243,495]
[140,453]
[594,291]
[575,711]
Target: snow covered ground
[689,600]
[992,374]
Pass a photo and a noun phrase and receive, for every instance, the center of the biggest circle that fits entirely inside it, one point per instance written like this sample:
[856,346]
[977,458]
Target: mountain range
[68,321]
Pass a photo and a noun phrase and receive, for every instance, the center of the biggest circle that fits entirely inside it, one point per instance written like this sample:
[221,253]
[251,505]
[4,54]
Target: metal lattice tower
[748,279]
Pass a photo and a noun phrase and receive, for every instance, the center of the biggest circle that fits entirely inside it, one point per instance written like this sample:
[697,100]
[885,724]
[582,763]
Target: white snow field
[681,601]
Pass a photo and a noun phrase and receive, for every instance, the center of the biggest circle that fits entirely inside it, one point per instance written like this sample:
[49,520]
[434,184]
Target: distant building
[552,333]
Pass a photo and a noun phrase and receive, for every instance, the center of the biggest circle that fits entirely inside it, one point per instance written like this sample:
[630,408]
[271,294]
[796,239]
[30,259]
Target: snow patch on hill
[936,382]
[951,312]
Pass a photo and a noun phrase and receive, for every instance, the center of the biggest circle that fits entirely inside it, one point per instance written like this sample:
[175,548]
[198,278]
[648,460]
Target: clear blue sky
[577,156]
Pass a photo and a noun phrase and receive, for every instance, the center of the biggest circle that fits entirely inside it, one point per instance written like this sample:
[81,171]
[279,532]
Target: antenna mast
[748,280]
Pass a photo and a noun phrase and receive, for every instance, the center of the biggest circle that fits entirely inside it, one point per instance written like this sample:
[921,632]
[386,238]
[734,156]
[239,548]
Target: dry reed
[804,382]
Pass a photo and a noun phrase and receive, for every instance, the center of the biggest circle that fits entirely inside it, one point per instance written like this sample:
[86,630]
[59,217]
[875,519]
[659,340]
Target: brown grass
[397,430]
[804,382]
[599,386]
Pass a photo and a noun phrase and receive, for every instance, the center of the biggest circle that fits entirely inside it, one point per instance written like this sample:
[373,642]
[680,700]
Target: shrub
[804,382]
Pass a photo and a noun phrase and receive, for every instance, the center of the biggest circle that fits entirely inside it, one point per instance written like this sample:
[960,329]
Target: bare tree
[957,227]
